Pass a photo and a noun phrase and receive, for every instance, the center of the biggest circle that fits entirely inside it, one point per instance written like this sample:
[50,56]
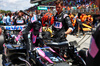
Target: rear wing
[13,28]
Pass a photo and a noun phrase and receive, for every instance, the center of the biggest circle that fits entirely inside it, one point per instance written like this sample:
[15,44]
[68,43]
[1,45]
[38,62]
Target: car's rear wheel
[1,42]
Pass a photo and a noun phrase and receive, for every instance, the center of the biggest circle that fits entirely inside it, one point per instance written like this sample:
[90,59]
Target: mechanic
[35,27]
[93,57]
[28,19]
[39,15]
[62,23]
[19,20]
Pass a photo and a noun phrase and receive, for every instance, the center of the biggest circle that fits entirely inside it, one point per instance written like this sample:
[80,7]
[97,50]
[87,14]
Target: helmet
[47,19]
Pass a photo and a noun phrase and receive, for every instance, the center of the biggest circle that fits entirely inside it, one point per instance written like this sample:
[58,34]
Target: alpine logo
[58,25]
[13,27]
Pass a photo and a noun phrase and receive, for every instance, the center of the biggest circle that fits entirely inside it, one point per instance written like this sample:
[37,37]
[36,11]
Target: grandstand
[71,6]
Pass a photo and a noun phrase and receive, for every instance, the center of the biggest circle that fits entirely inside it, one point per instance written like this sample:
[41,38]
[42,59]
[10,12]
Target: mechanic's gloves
[46,35]
[59,36]
[62,35]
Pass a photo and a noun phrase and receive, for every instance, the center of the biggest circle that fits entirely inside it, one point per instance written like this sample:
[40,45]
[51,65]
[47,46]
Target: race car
[7,32]
[13,46]
[16,54]
[46,56]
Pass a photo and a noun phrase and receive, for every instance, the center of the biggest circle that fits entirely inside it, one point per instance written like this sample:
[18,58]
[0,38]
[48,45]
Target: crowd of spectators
[8,18]
[77,4]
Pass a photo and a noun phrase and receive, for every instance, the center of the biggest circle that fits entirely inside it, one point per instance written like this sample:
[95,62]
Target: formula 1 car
[7,31]
[69,50]
[13,46]
[16,54]
[46,56]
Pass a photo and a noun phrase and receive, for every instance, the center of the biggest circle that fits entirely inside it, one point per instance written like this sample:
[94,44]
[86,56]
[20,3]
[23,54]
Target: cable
[83,41]
[24,61]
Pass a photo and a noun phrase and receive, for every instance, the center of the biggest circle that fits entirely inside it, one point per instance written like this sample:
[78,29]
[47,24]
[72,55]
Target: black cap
[20,11]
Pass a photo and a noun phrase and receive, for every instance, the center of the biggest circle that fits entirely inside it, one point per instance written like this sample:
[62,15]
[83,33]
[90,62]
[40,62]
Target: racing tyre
[3,60]
[1,42]
[83,53]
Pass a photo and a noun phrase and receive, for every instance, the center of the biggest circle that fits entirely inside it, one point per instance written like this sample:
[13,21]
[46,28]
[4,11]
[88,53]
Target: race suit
[61,24]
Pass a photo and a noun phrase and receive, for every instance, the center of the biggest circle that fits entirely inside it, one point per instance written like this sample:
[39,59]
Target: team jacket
[61,24]
[19,20]
[34,25]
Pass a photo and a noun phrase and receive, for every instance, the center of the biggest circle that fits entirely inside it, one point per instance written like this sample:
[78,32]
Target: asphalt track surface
[71,38]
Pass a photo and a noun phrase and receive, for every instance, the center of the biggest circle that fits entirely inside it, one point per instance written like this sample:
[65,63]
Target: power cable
[83,41]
